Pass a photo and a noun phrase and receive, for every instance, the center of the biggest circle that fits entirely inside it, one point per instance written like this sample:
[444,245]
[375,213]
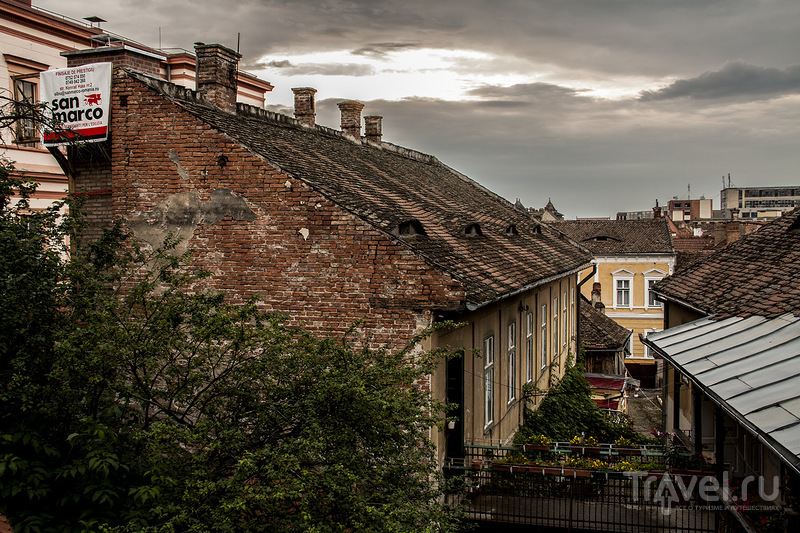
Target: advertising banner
[78,101]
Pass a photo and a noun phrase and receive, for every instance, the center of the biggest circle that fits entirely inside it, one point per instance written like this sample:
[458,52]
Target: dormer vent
[473,230]
[512,230]
[409,228]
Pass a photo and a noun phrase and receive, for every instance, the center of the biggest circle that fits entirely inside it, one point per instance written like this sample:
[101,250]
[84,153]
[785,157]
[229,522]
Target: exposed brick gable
[305,255]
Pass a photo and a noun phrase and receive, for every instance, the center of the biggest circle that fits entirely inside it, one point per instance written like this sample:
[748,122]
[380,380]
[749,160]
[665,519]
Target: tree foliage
[568,410]
[131,400]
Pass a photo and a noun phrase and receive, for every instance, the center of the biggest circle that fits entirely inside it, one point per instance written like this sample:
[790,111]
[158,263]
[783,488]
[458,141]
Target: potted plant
[580,443]
[537,443]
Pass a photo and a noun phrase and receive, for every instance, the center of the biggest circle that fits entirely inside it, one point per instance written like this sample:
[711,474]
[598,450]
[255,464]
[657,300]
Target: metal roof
[750,367]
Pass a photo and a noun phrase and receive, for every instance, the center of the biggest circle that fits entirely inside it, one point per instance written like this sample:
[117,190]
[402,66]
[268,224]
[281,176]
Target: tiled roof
[598,332]
[612,237]
[388,186]
[756,275]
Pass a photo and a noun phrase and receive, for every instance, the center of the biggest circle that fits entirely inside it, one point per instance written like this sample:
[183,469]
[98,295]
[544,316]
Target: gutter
[678,301]
[753,430]
[544,281]
[578,345]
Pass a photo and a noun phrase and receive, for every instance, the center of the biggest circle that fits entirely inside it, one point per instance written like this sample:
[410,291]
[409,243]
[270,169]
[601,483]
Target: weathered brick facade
[290,245]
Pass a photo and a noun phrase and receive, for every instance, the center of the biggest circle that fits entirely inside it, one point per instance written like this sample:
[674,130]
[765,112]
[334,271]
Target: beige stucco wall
[493,321]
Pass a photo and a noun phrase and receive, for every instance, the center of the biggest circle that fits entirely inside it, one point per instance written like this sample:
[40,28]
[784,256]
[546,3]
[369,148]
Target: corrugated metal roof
[751,366]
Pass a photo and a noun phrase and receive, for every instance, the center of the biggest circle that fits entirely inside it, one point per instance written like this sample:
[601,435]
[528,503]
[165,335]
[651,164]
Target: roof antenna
[238,41]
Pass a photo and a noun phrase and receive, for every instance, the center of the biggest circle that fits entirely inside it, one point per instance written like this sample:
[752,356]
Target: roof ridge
[179,92]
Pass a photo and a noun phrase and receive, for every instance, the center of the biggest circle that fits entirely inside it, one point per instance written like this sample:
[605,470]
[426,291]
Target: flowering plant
[585,441]
[541,440]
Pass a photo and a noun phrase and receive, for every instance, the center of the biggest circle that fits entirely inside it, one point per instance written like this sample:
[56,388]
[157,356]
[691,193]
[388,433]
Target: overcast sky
[600,105]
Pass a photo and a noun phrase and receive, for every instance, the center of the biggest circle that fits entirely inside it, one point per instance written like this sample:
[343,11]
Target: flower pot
[477,464]
[536,447]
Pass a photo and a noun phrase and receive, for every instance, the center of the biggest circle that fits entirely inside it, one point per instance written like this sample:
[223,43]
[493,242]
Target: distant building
[688,210]
[762,203]
[630,257]
[636,215]
[548,213]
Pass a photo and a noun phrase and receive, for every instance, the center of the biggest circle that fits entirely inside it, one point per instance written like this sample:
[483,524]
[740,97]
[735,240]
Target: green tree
[568,410]
[132,400]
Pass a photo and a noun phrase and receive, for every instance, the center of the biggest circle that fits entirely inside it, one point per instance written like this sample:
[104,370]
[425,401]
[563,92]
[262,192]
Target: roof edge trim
[474,306]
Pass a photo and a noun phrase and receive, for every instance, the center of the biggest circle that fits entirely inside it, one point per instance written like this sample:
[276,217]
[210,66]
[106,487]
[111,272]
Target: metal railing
[576,499]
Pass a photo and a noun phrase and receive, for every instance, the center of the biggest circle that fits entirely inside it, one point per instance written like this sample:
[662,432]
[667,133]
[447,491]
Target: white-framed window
[555,327]
[647,351]
[572,306]
[564,320]
[543,347]
[488,381]
[651,277]
[529,347]
[512,361]
[629,345]
[623,288]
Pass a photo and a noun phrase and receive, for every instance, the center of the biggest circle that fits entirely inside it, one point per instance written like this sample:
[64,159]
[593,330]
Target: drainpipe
[578,311]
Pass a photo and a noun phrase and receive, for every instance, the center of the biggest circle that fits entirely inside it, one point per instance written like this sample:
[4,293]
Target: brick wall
[286,242]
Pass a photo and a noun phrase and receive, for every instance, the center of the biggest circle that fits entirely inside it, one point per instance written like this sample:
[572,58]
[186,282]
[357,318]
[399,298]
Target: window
[572,304]
[623,287]
[623,293]
[651,296]
[564,320]
[651,277]
[512,362]
[488,381]
[555,327]
[629,345]
[25,95]
[647,352]
[543,348]
[529,347]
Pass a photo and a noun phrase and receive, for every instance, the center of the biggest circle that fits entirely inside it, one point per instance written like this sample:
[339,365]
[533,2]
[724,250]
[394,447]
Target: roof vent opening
[512,230]
[601,238]
[409,228]
[473,230]
[538,229]
[795,227]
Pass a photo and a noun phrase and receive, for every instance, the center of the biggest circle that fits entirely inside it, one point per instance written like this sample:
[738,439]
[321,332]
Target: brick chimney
[304,107]
[217,68]
[596,303]
[351,117]
[373,129]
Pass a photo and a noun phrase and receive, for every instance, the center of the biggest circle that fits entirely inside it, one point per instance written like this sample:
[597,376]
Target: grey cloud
[526,91]
[285,63]
[321,69]
[735,80]
[379,50]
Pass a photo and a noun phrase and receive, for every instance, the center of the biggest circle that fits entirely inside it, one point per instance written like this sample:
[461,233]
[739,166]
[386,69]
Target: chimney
[373,129]
[216,75]
[596,303]
[351,117]
[304,109]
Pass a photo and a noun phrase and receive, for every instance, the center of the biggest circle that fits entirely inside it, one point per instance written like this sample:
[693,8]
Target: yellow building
[630,257]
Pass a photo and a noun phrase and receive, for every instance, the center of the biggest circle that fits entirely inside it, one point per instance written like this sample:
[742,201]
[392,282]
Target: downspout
[578,311]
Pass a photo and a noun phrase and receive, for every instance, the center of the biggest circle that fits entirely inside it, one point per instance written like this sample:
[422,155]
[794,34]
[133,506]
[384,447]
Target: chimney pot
[304,106]
[216,75]
[373,129]
[351,117]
